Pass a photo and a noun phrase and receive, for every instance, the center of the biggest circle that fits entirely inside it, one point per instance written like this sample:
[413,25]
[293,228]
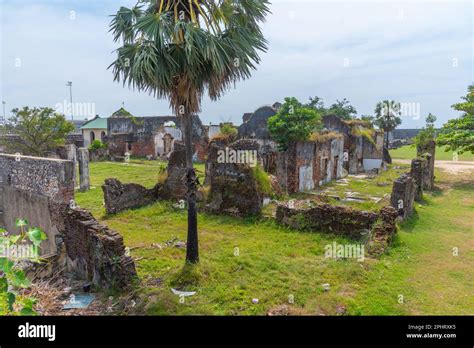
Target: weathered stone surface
[403,196]
[234,189]
[98,154]
[83,160]
[119,197]
[175,185]
[428,151]
[306,165]
[383,231]
[418,171]
[95,252]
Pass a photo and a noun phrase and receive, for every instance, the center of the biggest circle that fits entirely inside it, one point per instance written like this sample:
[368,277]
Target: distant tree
[317,104]
[343,109]
[35,131]
[428,133]
[293,122]
[458,134]
[369,119]
[387,117]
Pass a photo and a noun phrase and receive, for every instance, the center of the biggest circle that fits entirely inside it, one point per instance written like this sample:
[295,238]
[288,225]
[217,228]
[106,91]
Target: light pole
[69,83]
[4,116]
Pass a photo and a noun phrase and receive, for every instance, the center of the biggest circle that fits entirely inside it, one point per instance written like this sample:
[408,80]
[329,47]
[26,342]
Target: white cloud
[402,50]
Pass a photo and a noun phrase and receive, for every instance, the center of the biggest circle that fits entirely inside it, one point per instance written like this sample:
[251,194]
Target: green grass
[409,152]
[274,262]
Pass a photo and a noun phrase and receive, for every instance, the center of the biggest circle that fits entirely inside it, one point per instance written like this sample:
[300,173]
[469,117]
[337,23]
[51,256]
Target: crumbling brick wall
[95,252]
[41,190]
[119,197]
[403,196]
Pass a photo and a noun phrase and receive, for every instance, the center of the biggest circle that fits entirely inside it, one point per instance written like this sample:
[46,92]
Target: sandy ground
[454,167]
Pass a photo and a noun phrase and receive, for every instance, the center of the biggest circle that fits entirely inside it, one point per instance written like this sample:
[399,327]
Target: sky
[419,53]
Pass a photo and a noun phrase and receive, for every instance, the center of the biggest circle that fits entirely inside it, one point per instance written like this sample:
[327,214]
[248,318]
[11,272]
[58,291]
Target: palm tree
[183,49]
[387,117]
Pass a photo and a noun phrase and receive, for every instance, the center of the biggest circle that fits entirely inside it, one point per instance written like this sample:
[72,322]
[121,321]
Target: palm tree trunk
[192,248]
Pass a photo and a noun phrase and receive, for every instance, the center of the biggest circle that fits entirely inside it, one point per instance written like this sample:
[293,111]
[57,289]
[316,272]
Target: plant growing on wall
[181,50]
[12,278]
[293,122]
[35,131]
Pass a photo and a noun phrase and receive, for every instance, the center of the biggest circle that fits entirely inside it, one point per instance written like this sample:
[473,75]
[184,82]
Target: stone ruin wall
[403,196]
[428,152]
[379,227]
[41,190]
[306,165]
[233,188]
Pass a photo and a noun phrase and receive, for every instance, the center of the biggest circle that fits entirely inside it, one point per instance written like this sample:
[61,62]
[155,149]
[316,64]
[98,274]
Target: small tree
[293,122]
[458,134]
[387,117]
[428,133]
[343,109]
[35,131]
[317,104]
[182,50]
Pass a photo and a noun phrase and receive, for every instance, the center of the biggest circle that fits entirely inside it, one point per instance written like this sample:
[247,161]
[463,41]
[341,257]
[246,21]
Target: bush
[96,145]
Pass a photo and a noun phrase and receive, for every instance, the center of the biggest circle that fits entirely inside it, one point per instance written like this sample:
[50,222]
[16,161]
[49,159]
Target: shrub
[12,277]
[96,145]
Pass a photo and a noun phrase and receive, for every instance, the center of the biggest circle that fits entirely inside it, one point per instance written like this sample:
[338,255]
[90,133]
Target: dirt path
[449,166]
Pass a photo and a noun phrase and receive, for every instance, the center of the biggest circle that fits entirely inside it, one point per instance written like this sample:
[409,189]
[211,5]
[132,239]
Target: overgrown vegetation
[293,122]
[13,250]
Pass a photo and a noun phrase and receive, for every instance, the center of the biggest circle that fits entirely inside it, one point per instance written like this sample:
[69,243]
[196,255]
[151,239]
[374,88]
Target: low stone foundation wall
[377,229]
[119,197]
[327,218]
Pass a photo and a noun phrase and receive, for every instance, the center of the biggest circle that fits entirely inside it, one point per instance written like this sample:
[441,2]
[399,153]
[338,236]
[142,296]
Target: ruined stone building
[307,165]
[363,145]
[255,127]
[352,146]
[152,136]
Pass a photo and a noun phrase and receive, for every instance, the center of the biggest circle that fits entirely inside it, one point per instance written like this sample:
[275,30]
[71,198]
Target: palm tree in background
[182,50]
[387,117]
